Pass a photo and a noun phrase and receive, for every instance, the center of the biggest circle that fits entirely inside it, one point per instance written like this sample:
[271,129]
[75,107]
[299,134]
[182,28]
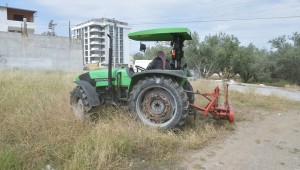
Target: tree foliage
[213,55]
[262,66]
[286,55]
[243,62]
[150,52]
[193,56]
[251,62]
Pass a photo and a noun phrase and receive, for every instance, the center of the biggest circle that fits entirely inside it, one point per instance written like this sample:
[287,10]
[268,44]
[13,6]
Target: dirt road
[268,141]
[290,94]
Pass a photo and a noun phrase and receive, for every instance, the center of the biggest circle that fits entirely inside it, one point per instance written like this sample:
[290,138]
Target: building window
[86,54]
[111,30]
[18,17]
[14,31]
[121,33]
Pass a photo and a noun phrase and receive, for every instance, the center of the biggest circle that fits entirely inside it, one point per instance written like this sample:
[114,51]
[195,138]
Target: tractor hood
[161,34]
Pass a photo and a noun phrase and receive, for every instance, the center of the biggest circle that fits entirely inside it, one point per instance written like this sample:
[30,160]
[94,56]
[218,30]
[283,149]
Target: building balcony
[95,49]
[95,55]
[95,30]
[95,42]
[95,36]
[16,25]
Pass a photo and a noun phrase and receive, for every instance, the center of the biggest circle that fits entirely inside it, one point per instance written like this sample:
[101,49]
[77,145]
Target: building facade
[95,41]
[16,20]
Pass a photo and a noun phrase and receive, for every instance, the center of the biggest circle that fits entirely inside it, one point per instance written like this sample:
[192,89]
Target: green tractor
[158,97]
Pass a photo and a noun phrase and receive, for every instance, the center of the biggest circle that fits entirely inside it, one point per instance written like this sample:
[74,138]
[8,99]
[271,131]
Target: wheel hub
[156,106]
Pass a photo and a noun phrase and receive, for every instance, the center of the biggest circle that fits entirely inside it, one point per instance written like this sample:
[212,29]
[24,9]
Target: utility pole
[25,26]
[69,30]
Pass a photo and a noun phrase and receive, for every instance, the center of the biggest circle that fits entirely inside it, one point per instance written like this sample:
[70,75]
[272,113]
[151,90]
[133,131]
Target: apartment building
[12,20]
[93,34]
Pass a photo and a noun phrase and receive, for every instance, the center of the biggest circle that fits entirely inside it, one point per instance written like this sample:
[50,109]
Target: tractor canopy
[161,34]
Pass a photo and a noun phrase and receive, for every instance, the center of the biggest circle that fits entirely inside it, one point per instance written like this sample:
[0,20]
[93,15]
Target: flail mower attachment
[212,107]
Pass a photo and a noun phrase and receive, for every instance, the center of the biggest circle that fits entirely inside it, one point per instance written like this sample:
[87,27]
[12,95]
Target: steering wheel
[139,68]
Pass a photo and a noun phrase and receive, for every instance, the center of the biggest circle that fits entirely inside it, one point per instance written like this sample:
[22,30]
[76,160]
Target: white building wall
[127,57]
[17,26]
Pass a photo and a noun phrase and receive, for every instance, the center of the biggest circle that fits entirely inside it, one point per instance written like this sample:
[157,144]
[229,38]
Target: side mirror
[142,47]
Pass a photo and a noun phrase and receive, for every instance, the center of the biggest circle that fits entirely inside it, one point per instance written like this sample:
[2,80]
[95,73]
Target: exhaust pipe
[110,62]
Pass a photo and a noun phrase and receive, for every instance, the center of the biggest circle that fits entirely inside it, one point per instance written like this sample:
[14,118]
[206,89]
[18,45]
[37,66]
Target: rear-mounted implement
[212,107]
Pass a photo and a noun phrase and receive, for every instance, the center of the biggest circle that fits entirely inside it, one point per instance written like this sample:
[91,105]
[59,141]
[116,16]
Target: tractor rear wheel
[187,86]
[159,102]
[79,102]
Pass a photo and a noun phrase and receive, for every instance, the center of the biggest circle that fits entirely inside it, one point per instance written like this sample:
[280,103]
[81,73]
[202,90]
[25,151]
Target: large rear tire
[79,102]
[187,86]
[159,102]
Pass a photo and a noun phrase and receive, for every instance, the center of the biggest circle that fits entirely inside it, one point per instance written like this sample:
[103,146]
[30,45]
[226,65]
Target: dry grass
[37,128]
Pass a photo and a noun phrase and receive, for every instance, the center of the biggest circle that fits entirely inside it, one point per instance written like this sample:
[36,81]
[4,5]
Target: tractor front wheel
[79,102]
[159,102]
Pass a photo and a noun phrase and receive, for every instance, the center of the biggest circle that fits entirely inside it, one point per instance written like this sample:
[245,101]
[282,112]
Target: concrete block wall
[37,52]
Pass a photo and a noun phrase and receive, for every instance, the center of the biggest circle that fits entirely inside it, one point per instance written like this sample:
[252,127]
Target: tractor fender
[178,75]
[90,91]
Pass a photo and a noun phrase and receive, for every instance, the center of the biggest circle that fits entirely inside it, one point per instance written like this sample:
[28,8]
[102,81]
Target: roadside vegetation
[39,130]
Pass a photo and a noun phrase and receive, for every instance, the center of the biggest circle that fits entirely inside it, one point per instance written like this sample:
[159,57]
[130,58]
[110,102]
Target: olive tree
[286,54]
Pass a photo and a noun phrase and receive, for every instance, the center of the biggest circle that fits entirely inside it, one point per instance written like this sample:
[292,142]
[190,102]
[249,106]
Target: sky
[251,21]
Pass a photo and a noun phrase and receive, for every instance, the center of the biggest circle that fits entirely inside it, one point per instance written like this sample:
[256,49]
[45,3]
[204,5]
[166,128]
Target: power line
[208,10]
[221,20]
[215,5]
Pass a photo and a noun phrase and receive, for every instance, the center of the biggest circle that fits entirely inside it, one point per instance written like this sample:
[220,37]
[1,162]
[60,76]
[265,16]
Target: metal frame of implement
[212,107]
